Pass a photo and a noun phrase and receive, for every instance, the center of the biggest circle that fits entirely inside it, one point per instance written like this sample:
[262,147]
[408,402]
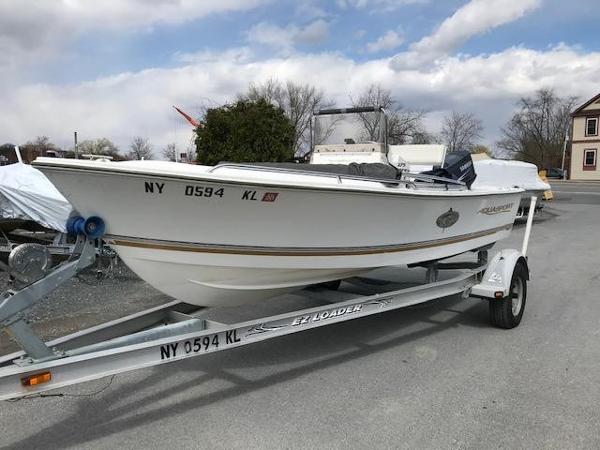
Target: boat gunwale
[211,178]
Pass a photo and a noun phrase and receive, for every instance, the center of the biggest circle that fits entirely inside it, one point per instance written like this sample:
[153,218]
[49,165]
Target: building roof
[582,111]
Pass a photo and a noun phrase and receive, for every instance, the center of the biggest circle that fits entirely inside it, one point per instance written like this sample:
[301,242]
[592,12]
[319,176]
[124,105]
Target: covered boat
[503,173]
[26,195]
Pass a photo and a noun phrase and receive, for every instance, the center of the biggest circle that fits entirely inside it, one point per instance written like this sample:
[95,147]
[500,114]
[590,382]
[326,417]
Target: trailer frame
[174,331]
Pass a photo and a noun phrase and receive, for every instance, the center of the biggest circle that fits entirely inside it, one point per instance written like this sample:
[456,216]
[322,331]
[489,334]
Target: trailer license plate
[202,344]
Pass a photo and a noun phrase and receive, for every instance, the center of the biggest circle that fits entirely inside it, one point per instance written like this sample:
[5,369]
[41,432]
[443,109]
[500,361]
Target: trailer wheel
[508,312]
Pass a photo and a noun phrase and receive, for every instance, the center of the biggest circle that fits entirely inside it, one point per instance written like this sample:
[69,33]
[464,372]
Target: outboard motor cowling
[457,166]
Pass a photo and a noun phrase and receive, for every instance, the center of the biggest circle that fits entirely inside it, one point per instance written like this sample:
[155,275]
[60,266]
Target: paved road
[432,376]
[576,192]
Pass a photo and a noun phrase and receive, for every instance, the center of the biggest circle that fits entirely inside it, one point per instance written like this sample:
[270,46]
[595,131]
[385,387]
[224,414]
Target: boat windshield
[349,128]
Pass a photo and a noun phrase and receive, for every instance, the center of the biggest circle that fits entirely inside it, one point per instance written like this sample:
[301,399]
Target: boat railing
[340,177]
[431,178]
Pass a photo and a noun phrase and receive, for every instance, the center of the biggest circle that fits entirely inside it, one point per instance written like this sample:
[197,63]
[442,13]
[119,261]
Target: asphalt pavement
[432,376]
[583,193]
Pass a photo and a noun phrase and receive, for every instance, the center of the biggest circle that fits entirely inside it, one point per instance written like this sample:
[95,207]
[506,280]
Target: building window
[589,159]
[591,126]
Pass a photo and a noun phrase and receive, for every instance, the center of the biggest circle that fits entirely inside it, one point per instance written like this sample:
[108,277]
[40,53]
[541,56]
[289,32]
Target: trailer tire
[508,312]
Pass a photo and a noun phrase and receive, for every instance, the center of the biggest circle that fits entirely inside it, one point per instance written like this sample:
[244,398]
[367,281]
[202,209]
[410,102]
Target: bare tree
[101,146]
[403,124]
[271,91]
[424,137]
[140,149]
[298,101]
[40,146]
[478,149]
[170,152]
[407,125]
[537,131]
[375,96]
[461,131]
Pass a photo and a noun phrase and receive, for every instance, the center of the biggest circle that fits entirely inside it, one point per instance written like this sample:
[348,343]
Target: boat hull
[210,280]
[224,241]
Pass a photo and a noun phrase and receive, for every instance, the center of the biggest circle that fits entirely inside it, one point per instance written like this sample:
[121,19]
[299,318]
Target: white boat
[235,233]
[502,173]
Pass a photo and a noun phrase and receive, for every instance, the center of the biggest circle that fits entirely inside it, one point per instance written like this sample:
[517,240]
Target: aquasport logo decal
[491,210]
[447,219]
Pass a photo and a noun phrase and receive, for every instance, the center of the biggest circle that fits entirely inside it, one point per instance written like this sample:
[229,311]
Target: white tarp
[496,172]
[25,193]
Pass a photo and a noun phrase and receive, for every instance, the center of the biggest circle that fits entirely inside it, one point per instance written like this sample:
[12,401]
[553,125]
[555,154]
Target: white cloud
[129,104]
[29,32]
[389,41]
[237,55]
[308,10]
[272,35]
[113,13]
[473,18]
[287,37]
[313,33]
[359,33]
[377,5]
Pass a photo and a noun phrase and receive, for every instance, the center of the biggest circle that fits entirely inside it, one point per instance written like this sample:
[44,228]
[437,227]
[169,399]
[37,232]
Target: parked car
[555,172]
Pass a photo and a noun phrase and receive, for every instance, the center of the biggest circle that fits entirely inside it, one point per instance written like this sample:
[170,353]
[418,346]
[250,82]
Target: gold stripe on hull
[287,251]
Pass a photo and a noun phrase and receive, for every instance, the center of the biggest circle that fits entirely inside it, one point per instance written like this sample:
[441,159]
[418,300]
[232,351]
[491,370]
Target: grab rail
[427,177]
[339,176]
[396,182]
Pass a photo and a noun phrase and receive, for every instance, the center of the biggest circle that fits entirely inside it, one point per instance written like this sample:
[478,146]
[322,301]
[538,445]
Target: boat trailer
[173,331]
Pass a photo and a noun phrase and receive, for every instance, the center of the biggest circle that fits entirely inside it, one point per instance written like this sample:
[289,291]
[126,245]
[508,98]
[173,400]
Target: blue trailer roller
[93,227]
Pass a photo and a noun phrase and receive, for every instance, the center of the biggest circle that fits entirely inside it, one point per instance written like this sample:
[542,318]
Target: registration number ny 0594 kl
[201,344]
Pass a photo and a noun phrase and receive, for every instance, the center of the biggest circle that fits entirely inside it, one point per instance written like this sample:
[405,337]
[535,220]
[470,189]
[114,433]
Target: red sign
[270,196]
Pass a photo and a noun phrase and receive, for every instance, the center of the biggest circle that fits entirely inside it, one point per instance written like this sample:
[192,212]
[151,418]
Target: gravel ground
[84,301]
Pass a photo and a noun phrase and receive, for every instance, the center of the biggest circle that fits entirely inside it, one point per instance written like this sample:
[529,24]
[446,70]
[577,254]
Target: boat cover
[495,172]
[371,170]
[25,193]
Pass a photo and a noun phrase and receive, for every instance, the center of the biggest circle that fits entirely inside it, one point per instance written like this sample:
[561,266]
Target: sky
[114,68]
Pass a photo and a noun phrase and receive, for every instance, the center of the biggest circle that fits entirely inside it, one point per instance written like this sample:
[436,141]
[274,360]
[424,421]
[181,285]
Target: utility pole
[562,164]
[75,138]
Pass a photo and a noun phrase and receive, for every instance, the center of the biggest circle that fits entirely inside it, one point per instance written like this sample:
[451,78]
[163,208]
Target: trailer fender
[496,279]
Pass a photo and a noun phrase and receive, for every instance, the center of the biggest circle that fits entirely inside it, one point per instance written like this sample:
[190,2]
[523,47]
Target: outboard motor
[457,166]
